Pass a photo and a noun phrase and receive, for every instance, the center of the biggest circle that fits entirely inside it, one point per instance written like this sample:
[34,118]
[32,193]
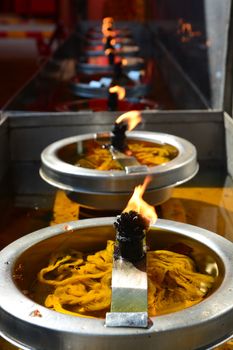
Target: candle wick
[118,140]
[131,228]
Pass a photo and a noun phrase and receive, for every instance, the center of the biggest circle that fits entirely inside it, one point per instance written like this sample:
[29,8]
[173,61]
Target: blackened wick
[131,228]
[118,140]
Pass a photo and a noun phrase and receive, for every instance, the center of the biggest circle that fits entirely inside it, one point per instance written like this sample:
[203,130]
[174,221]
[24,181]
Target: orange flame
[113,42]
[124,61]
[108,51]
[119,90]
[105,29]
[133,118]
[108,20]
[105,32]
[136,203]
[107,24]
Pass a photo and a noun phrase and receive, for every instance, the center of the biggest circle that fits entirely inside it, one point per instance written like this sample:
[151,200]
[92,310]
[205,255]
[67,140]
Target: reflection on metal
[129,294]
[127,319]
[128,163]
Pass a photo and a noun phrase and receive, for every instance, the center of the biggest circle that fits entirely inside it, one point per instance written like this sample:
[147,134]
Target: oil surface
[95,155]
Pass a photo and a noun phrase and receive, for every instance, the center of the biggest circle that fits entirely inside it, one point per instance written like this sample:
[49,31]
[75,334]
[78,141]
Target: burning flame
[132,118]
[113,42]
[108,20]
[107,24]
[136,203]
[105,31]
[124,61]
[108,51]
[119,90]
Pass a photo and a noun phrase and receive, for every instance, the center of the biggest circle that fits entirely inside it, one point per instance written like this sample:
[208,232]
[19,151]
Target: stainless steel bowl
[119,40]
[87,90]
[199,327]
[130,50]
[116,33]
[100,64]
[112,189]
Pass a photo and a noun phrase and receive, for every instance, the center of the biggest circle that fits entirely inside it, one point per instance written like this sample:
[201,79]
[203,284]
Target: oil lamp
[32,326]
[126,122]
[131,228]
[108,43]
[107,188]
[133,223]
[129,306]
[115,93]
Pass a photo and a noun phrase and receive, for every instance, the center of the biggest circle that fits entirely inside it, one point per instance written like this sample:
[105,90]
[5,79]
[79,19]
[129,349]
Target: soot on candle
[108,44]
[112,101]
[131,228]
[118,140]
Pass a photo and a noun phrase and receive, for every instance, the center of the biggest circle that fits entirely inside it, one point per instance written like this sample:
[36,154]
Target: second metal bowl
[112,189]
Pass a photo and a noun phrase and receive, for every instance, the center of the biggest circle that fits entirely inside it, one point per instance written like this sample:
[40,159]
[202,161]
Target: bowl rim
[179,170]
[211,310]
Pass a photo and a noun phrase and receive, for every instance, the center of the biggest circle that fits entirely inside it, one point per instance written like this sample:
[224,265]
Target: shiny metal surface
[113,201]
[129,293]
[119,40]
[129,63]
[193,328]
[117,184]
[130,50]
[86,90]
[117,32]
[128,163]
[127,319]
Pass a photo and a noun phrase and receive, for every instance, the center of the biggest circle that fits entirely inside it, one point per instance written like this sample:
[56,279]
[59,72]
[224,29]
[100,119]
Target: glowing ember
[131,118]
[137,204]
[119,90]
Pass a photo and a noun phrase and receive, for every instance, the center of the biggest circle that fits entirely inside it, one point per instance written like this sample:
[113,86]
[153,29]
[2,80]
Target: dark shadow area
[182,29]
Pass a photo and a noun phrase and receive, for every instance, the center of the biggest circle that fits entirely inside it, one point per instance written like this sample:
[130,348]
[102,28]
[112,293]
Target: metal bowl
[137,83]
[126,50]
[119,40]
[112,189]
[88,90]
[100,64]
[199,327]
[115,33]
[101,104]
